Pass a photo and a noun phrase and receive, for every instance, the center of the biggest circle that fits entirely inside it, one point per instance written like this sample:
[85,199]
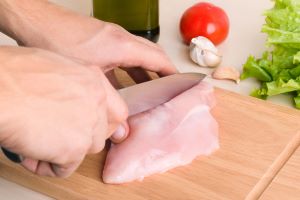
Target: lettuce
[256,68]
[297,100]
[278,69]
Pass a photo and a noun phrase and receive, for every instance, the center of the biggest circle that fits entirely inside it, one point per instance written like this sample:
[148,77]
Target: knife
[12,156]
[147,95]
[144,96]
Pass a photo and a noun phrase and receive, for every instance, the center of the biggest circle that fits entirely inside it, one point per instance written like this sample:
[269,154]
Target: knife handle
[12,156]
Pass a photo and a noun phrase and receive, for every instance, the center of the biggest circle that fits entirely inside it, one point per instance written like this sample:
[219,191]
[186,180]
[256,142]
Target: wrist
[19,19]
[33,22]
[39,23]
[7,14]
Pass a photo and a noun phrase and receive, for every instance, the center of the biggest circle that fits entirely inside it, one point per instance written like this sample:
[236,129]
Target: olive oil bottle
[140,17]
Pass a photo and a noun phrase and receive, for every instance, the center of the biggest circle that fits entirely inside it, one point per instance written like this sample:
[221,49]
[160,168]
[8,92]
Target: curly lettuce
[278,69]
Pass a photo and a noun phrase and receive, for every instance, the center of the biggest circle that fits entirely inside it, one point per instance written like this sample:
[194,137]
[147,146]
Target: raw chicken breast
[170,135]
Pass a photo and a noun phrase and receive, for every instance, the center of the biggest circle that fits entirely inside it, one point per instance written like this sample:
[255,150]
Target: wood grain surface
[252,133]
[274,168]
[286,185]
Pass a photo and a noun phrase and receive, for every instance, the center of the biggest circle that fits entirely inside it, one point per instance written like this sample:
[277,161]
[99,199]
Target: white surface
[244,39]
[12,191]
[246,18]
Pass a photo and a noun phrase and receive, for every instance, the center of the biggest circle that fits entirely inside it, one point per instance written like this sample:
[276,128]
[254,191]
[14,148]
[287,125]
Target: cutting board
[286,184]
[253,133]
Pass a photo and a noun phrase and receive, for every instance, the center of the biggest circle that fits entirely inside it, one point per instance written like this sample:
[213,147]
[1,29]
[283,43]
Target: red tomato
[204,19]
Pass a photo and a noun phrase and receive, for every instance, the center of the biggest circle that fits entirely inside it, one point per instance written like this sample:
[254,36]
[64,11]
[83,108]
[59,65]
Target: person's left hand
[109,46]
[85,39]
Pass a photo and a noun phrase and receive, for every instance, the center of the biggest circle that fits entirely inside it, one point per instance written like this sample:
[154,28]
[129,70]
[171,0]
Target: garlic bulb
[204,53]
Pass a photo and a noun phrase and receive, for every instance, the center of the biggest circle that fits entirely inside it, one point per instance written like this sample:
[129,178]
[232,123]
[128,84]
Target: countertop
[244,39]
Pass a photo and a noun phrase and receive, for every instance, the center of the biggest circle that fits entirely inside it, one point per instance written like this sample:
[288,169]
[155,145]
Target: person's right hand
[83,39]
[54,111]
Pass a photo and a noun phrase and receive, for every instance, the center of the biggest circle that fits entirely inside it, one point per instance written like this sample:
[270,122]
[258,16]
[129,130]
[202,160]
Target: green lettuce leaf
[280,87]
[283,58]
[256,68]
[278,69]
[281,37]
[297,99]
[296,58]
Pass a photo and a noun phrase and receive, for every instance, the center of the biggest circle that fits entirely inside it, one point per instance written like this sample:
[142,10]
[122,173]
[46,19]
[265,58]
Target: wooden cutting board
[286,184]
[252,133]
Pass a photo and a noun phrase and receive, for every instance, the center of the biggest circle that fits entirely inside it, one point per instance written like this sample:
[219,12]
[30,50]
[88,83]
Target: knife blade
[147,95]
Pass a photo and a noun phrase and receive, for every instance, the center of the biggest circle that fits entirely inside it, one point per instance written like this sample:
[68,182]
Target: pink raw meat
[170,135]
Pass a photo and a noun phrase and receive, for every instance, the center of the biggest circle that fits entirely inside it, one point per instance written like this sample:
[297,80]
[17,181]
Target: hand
[85,39]
[54,111]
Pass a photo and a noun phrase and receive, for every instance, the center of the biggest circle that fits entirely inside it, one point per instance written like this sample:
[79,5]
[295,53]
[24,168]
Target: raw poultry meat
[170,135]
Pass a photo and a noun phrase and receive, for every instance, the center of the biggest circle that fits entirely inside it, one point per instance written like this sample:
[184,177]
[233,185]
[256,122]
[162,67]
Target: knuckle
[128,44]
[66,170]
[74,149]
[83,145]
[63,172]
[160,49]
[97,147]
[117,32]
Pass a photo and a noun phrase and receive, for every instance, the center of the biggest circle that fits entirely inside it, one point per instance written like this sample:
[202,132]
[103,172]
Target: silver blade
[150,94]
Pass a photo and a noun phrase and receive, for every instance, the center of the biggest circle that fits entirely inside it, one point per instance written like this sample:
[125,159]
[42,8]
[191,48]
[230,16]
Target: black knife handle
[12,156]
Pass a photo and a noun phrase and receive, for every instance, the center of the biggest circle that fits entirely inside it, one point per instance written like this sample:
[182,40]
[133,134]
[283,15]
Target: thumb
[121,133]
[117,110]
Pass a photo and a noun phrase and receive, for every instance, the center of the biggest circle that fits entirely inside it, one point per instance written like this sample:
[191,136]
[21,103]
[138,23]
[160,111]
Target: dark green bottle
[140,17]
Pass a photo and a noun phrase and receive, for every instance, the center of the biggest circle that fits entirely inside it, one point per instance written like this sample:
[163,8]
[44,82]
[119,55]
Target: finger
[66,170]
[43,168]
[38,167]
[147,42]
[137,74]
[121,133]
[117,111]
[100,131]
[30,164]
[149,58]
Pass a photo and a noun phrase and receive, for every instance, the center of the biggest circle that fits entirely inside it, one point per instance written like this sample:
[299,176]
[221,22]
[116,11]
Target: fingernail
[119,134]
